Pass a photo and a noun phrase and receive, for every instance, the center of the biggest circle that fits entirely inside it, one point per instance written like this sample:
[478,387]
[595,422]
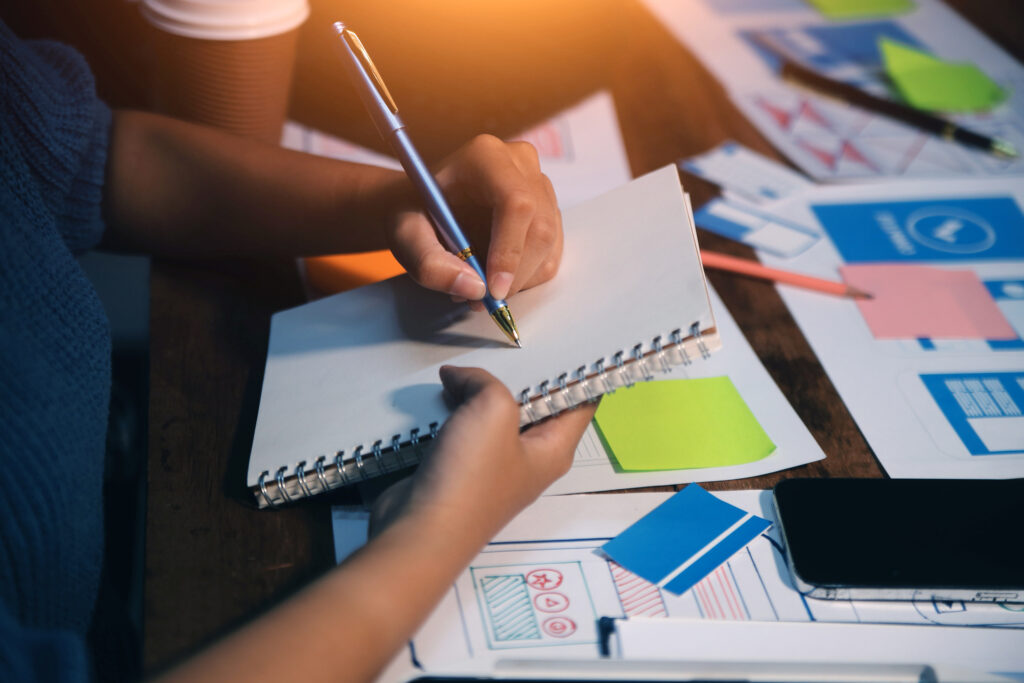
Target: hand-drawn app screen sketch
[541,598]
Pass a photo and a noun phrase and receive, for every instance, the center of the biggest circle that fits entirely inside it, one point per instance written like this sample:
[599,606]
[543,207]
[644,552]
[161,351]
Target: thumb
[462,384]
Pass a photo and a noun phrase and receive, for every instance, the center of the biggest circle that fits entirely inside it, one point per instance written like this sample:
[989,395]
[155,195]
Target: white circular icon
[951,230]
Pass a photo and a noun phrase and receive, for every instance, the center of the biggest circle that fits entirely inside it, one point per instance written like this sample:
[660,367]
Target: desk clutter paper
[755,227]
[745,173]
[929,83]
[684,539]
[594,468]
[351,388]
[548,561]
[929,405]
[675,424]
[750,184]
[829,139]
[913,301]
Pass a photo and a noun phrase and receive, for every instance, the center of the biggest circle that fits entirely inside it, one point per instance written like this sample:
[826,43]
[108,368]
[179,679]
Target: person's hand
[508,211]
[482,470]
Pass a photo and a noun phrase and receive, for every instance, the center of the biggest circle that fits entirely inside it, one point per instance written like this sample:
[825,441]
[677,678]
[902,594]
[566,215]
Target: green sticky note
[855,9]
[929,83]
[680,424]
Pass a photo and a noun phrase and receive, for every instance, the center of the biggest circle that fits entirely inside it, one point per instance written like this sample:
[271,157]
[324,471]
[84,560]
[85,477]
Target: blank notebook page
[362,365]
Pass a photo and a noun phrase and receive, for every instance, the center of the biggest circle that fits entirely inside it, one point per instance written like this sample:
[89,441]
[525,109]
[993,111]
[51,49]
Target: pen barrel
[430,193]
[436,206]
[383,113]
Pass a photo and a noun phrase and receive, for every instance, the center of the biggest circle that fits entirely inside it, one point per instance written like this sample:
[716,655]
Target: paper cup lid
[225,19]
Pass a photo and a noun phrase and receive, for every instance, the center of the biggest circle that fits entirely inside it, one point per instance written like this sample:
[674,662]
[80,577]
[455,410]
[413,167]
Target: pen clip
[349,36]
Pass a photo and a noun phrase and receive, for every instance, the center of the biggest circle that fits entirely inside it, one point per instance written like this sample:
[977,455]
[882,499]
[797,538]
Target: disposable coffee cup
[225,63]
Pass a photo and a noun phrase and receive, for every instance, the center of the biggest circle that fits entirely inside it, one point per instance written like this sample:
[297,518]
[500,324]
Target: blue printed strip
[707,218]
[714,555]
[684,539]
[672,533]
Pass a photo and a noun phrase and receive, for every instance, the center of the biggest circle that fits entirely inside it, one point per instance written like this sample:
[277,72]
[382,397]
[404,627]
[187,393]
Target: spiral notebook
[351,388]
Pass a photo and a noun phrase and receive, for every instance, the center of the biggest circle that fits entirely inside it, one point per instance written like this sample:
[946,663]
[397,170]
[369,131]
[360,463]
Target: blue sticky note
[684,539]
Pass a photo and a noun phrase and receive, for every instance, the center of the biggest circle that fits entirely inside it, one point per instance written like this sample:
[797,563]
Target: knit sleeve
[54,134]
[32,655]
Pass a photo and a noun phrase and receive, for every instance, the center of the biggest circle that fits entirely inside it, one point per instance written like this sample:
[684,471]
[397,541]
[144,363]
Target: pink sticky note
[921,301]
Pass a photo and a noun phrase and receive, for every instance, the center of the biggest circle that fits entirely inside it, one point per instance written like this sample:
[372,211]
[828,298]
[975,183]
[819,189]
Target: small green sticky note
[929,83]
[856,9]
[680,424]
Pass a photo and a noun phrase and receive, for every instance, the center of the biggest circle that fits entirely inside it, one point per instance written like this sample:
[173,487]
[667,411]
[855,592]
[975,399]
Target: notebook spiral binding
[547,399]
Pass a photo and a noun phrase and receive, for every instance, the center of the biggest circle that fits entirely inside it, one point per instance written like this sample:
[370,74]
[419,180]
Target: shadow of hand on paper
[432,318]
[411,399]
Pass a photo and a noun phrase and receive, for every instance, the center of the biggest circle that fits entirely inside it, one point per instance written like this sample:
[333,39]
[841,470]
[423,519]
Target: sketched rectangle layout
[530,605]
[507,601]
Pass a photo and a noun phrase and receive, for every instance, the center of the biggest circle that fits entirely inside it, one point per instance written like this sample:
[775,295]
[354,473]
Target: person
[74,176]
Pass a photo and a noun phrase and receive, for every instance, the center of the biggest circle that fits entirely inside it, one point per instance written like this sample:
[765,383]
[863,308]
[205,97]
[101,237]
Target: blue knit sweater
[54,359]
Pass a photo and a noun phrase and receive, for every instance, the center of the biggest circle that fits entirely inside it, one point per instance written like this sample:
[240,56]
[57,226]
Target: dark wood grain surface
[212,561]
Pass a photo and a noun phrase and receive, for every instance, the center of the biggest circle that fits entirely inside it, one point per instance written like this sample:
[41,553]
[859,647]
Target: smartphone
[904,539]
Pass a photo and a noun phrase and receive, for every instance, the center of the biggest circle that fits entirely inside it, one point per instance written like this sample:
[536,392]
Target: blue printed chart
[932,408]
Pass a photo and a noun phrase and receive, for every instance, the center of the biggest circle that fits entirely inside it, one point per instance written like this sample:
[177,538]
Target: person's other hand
[482,471]
[508,211]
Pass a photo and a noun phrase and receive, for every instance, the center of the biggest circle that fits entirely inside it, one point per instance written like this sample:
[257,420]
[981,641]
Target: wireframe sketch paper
[544,564]
[580,149]
[354,374]
[928,406]
[831,140]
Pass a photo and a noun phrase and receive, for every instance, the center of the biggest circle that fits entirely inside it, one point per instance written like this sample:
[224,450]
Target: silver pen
[384,113]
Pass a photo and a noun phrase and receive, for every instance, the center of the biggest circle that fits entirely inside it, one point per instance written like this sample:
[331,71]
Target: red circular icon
[551,602]
[559,627]
[544,579]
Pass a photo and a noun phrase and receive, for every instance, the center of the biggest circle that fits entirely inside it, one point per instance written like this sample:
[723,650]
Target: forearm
[180,190]
[350,623]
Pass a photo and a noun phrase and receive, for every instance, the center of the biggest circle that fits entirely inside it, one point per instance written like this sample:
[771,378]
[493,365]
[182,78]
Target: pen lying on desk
[792,70]
[384,112]
[714,259]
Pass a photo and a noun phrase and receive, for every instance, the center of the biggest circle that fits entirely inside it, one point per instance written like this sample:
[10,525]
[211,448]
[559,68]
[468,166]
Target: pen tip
[1004,149]
[519,344]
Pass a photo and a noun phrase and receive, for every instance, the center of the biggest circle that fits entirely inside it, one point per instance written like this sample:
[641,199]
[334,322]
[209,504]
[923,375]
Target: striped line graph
[509,608]
[639,597]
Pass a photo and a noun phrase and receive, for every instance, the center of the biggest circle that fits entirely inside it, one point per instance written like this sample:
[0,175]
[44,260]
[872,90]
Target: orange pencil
[714,259]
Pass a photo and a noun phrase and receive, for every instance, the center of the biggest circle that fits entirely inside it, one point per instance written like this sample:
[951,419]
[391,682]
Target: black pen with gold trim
[384,113]
[794,72]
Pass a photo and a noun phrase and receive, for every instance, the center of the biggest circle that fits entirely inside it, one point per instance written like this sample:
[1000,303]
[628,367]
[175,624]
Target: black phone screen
[904,533]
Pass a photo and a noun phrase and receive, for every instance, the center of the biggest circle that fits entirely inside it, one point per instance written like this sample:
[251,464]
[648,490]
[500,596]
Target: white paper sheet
[580,150]
[549,550]
[915,400]
[834,141]
[351,370]
[988,650]
[744,172]
[592,469]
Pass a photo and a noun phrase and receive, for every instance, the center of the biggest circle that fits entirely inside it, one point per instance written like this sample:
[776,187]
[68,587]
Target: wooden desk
[212,561]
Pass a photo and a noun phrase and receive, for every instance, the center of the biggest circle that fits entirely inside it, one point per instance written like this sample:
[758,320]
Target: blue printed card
[946,229]
[684,539]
